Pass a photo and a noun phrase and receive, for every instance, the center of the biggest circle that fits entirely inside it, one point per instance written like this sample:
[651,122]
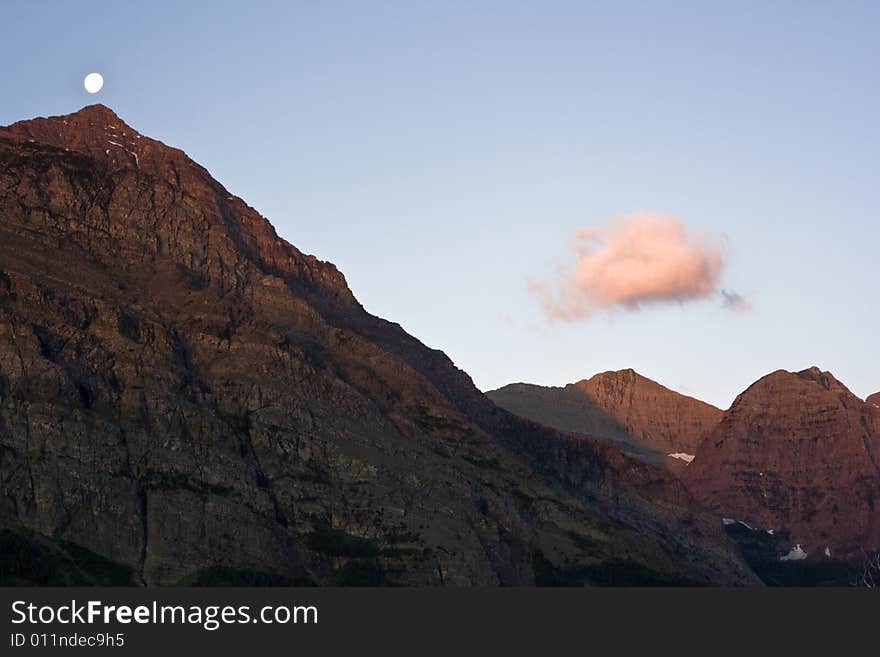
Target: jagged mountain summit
[186,397]
[797,452]
[643,417]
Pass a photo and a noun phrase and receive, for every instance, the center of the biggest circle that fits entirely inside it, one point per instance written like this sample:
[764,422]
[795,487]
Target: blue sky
[442,153]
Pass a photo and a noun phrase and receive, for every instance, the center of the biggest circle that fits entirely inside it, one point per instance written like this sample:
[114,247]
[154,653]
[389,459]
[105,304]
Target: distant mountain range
[796,453]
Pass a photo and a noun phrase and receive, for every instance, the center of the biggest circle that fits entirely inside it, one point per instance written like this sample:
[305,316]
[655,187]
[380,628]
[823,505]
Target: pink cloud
[643,258]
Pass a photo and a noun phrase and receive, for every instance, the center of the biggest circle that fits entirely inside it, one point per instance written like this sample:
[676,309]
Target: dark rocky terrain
[644,418]
[187,398]
[797,452]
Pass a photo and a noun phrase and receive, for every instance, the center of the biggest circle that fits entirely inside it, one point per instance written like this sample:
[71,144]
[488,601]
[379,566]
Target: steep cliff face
[643,417]
[797,452]
[186,397]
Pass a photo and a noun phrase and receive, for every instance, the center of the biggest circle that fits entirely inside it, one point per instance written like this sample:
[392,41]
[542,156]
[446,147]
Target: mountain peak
[789,435]
[97,109]
[781,379]
[623,380]
[813,374]
[136,162]
[623,406]
[97,131]
[95,118]
[824,379]
[627,374]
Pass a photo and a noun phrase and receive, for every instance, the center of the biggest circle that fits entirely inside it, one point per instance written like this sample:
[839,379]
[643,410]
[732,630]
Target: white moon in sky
[93,82]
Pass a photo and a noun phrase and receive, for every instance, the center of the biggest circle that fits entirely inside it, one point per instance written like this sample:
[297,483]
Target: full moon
[93,82]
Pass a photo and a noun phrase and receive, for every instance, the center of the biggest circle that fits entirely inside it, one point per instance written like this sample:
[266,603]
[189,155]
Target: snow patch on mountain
[795,554]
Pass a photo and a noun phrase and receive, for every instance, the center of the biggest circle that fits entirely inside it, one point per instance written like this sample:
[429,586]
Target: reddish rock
[657,416]
[186,394]
[873,400]
[647,419]
[797,452]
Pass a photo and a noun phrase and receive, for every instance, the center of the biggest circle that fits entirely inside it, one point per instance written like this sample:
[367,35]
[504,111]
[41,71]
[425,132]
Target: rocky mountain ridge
[797,454]
[186,397]
[643,417]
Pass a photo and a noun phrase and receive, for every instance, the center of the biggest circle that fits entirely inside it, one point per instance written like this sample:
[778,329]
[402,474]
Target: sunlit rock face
[186,397]
[797,452]
[642,417]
